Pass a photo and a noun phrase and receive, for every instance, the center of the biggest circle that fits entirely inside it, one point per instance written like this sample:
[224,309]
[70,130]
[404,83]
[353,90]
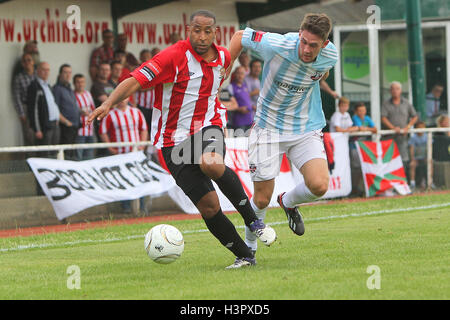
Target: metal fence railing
[375,137]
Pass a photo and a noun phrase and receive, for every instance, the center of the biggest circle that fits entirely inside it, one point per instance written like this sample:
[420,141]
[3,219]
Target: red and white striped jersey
[123,126]
[145,99]
[185,91]
[86,102]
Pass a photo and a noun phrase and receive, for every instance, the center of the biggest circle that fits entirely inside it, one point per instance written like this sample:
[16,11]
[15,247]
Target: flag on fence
[382,167]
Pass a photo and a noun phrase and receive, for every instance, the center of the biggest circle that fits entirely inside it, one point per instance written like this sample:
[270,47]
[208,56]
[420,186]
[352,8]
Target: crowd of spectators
[56,113]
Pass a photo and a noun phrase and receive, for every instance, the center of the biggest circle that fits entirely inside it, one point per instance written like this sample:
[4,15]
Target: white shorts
[266,149]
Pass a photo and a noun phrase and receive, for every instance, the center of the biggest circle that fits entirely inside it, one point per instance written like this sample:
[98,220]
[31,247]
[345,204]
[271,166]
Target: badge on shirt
[150,71]
[257,36]
[316,76]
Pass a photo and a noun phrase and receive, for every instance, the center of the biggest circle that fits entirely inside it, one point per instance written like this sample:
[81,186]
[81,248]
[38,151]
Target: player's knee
[208,206]
[213,171]
[319,187]
[261,202]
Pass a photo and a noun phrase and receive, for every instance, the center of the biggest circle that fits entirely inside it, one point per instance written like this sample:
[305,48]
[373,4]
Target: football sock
[231,187]
[299,194]
[223,229]
[250,237]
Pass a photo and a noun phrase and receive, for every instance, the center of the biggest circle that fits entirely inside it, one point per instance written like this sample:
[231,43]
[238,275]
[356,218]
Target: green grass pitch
[407,239]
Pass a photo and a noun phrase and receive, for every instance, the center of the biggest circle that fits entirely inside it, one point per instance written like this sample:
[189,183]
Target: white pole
[429,159]
[338,66]
[374,61]
[447,53]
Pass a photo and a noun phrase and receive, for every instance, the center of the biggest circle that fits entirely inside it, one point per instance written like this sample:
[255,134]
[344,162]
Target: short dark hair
[77,76]
[65,65]
[203,13]
[253,62]
[144,51]
[105,31]
[115,62]
[359,104]
[420,123]
[318,24]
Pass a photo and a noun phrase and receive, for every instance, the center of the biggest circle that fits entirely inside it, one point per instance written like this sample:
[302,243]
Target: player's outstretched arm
[125,89]
[235,49]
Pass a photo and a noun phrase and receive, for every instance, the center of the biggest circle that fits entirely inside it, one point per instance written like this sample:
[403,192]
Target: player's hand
[98,113]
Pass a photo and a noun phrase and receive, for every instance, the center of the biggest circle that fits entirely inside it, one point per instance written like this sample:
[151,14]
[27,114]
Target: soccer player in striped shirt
[186,77]
[289,116]
[86,104]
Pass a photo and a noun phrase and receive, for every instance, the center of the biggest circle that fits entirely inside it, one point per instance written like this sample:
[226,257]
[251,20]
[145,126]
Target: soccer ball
[164,243]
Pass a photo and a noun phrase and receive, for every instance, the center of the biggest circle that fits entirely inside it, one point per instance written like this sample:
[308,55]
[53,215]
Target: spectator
[86,104]
[340,120]
[244,61]
[174,38]
[124,124]
[43,112]
[433,104]
[227,99]
[145,55]
[443,121]
[399,115]
[69,111]
[418,156]
[116,73]
[31,48]
[103,54]
[362,120]
[101,88]
[20,86]
[145,98]
[155,51]
[243,116]
[130,59]
[252,80]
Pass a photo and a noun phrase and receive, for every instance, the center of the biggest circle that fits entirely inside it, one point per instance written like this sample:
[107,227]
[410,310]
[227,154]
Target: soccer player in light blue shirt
[289,116]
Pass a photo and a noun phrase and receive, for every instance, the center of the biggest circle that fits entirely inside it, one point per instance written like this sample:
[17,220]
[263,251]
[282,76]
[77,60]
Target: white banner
[72,186]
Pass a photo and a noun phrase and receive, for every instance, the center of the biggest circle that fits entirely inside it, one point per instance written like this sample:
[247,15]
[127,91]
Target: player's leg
[308,155]
[212,165]
[262,193]
[198,187]
[264,158]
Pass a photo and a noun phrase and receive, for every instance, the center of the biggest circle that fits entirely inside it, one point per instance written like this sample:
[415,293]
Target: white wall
[23,13]
[157,23]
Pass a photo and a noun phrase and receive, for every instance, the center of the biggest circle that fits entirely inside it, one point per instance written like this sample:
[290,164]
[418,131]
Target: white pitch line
[132,237]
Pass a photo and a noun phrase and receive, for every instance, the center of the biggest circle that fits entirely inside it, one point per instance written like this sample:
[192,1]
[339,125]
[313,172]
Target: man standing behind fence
[399,115]
[43,111]
[86,104]
[124,124]
[67,103]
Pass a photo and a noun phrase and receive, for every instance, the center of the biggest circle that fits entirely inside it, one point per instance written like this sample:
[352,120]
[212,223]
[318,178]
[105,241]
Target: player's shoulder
[330,51]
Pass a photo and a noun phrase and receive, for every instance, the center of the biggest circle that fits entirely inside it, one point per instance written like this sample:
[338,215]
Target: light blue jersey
[289,101]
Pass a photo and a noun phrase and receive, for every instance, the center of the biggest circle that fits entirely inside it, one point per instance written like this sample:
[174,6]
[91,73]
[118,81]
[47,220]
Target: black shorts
[183,161]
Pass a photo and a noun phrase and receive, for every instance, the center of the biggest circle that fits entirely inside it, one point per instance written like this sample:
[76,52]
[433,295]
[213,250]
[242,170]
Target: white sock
[300,194]
[250,237]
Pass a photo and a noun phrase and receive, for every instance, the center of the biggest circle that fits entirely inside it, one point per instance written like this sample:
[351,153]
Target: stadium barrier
[375,137]
[22,207]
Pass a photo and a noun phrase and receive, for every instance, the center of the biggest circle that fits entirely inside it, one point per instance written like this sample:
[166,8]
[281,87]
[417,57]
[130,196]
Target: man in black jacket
[67,103]
[43,112]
